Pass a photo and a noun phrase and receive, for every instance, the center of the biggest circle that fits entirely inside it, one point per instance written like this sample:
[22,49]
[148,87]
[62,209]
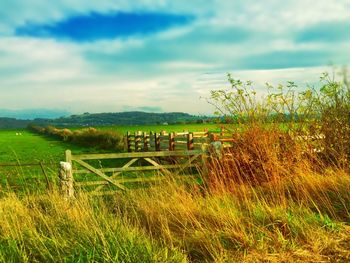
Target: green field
[23,146]
[27,147]
[196,127]
[30,147]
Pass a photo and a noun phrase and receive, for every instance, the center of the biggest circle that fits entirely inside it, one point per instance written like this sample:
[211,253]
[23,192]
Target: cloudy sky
[158,55]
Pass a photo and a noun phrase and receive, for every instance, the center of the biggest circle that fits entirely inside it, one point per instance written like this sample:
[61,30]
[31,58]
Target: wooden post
[171,141]
[151,139]
[128,142]
[68,154]
[138,147]
[213,137]
[66,180]
[222,130]
[146,142]
[157,141]
[48,185]
[190,145]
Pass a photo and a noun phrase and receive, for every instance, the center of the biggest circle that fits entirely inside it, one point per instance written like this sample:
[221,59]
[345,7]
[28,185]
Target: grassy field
[28,147]
[170,128]
[301,216]
[23,146]
[267,200]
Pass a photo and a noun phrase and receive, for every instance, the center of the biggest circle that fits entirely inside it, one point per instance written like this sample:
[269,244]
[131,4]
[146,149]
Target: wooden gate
[105,173]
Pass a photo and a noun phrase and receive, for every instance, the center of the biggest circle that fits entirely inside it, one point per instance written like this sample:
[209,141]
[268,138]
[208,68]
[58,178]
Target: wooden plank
[90,183]
[68,154]
[153,178]
[158,165]
[134,155]
[129,163]
[128,141]
[157,141]
[200,133]
[180,142]
[171,141]
[190,145]
[98,172]
[133,169]
[138,139]
[181,134]
[227,140]
[115,174]
[141,179]
[146,142]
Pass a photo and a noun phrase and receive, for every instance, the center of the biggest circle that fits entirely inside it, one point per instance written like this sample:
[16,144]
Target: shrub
[303,116]
[89,137]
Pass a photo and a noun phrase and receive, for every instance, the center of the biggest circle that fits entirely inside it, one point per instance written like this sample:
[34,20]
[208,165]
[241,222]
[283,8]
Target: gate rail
[164,163]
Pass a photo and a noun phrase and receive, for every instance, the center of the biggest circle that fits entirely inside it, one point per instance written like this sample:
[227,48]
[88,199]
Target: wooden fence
[173,141]
[126,169]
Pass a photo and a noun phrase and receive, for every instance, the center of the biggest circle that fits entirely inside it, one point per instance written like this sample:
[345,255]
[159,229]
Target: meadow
[193,127]
[30,146]
[23,146]
[284,208]
[276,195]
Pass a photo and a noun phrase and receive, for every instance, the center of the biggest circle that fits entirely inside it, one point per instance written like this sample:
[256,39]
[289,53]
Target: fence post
[128,143]
[171,141]
[146,142]
[157,141]
[213,137]
[48,185]
[190,145]
[68,154]
[138,147]
[66,180]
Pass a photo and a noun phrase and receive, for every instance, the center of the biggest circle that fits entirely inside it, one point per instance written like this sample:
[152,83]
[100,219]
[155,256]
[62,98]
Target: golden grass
[266,200]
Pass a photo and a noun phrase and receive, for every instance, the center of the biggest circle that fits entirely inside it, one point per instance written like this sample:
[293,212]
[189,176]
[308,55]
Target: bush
[89,137]
[304,116]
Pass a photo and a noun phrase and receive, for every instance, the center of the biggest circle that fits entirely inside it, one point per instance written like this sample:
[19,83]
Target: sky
[158,55]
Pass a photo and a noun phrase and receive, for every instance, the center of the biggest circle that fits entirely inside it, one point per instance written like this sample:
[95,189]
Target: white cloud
[167,69]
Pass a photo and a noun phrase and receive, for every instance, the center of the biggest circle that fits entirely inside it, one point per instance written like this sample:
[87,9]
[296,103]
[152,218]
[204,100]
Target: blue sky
[105,56]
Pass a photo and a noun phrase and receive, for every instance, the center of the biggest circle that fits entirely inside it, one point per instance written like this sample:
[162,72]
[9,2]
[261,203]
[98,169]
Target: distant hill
[125,118]
[31,114]
[12,123]
[106,119]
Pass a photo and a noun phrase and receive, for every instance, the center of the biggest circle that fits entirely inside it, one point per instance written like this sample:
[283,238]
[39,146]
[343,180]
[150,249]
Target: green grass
[48,229]
[196,127]
[31,148]
[308,222]
[281,208]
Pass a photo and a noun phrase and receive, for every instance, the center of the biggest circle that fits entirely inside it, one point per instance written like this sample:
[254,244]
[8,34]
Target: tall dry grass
[45,228]
[270,198]
[266,200]
[259,202]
